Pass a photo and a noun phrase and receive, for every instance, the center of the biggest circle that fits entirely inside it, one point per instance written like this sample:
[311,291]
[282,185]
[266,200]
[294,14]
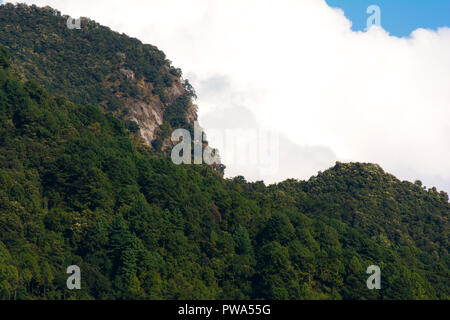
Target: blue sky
[398,17]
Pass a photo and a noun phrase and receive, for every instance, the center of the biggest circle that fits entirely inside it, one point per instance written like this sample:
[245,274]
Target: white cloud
[297,66]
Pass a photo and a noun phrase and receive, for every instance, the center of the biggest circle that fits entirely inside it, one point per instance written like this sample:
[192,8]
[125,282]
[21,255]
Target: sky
[399,17]
[310,75]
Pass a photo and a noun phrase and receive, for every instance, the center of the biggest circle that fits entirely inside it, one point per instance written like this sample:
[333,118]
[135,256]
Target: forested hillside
[94,65]
[77,188]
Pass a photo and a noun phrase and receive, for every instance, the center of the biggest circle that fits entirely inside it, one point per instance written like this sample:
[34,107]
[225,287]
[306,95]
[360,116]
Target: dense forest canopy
[77,189]
[75,63]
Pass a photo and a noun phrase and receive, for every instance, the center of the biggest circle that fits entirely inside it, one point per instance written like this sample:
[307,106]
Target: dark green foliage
[132,126]
[175,113]
[4,58]
[243,242]
[74,190]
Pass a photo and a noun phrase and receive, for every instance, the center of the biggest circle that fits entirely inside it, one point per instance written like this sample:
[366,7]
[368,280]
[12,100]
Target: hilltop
[95,65]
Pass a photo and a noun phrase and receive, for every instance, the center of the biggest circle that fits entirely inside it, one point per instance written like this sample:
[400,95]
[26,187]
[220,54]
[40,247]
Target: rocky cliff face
[147,108]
